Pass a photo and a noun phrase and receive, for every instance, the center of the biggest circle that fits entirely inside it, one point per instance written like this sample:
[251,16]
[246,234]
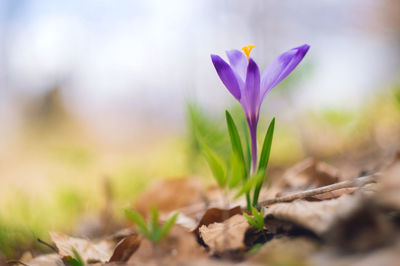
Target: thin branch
[356,182]
[47,245]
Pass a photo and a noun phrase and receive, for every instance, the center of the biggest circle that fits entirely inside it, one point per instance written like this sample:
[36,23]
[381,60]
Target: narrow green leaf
[264,158]
[254,249]
[216,164]
[250,220]
[254,211]
[153,225]
[235,138]
[156,234]
[77,259]
[167,225]
[266,148]
[258,217]
[135,217]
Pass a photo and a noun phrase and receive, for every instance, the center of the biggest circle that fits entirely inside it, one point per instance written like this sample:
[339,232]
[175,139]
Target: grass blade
[136,218]
[167,226]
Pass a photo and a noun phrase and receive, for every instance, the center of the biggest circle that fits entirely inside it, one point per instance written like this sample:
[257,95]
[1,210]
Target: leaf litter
[356,223]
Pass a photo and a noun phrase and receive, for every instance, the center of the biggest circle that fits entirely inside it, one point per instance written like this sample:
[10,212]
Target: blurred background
[99,97]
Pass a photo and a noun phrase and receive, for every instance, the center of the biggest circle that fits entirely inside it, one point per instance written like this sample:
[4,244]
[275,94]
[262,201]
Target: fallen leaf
[125,248]
[388,190]
[315,216]
[216,215]
[179,247]
[366,227]
[309,174]
[285,251]
[90,252]
[46,260]
[225,236]
[171,194]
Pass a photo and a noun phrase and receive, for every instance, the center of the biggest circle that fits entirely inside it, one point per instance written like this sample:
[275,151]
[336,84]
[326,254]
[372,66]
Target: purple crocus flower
[242,78]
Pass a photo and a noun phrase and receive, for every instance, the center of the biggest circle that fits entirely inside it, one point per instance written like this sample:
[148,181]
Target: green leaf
[136,218]
[254,249]
[153,225]
[237,148]
[167,225]
[258,217]
[76,260]
[266,149]
[250,183]
[264,158]
[250,220]
[216,164]
[235,138]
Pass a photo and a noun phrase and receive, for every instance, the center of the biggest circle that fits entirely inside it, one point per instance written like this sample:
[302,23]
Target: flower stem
[253,136]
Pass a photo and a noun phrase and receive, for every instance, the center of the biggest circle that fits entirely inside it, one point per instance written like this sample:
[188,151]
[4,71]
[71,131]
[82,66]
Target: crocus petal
[227,76]
[281,67]
[252,88]
[238,62]
[252,95]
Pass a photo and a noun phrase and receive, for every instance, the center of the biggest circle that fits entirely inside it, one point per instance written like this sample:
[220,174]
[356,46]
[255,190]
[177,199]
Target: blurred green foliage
[397,95]
[152,228]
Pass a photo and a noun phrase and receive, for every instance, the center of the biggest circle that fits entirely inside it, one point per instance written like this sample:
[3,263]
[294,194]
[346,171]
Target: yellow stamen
[247,50]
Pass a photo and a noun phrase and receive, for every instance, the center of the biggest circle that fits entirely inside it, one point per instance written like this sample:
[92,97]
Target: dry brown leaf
[389,185]
[46,260]
[216,215]
[171,194]
[225,236]
[285,251]
[308,174]
[90,252]
[366,227]
[179,247]
[125,248]
[315,216]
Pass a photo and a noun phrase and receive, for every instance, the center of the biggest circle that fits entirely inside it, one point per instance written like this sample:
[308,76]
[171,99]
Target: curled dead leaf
[125,248]
[216,215]
[225,236]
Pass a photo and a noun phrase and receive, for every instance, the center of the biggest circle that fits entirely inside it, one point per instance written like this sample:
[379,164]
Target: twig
[356,182]
[47,245]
